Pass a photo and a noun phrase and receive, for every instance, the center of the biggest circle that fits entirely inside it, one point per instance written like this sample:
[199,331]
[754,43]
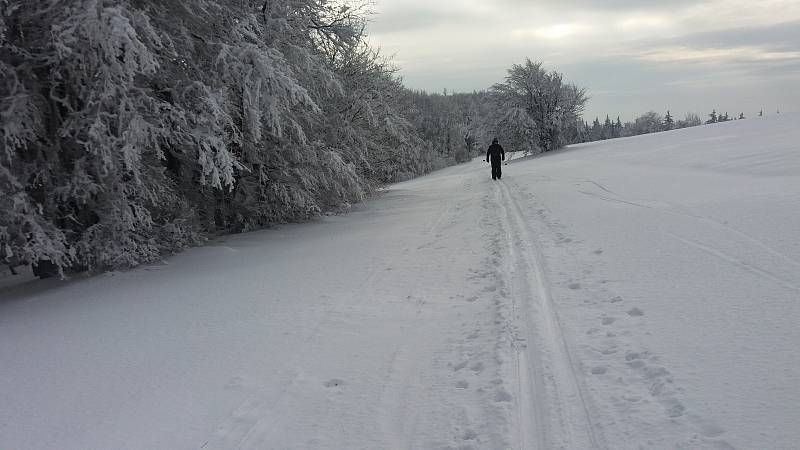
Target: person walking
[496,154]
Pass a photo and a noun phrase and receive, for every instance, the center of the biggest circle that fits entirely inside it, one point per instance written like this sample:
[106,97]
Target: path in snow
[635,293]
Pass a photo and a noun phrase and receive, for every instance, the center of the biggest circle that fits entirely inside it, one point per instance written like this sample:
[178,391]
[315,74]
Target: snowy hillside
[634,293]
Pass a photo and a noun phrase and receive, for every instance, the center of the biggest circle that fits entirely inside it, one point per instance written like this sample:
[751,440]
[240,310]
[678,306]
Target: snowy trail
[564,421]
[635,293]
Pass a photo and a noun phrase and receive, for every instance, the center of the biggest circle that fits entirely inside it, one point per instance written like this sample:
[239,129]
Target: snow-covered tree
[132,128]
[691,120]
[82,137]
[669,122]
[649,122]
[534,107]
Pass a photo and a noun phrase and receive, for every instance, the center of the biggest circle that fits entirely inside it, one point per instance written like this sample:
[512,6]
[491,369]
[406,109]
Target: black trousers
[497,172]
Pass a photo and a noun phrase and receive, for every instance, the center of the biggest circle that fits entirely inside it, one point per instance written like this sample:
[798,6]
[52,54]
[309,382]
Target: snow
[634,293]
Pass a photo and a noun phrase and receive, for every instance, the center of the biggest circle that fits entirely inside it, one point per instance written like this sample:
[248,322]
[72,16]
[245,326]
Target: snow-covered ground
[635,293]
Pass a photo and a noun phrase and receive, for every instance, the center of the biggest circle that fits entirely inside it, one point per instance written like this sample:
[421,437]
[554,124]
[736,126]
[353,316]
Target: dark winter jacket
[496,153]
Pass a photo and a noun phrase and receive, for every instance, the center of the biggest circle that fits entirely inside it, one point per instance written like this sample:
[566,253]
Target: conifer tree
[669,122]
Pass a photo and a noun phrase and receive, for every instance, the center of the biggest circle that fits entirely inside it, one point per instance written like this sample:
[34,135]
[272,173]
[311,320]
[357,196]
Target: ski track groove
[747,267]
[750,238]
[568,425]
[708,220]
[528,390]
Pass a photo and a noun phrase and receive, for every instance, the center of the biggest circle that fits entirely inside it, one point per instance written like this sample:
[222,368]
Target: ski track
[733,260]
[531,411]
[565,421]
[683,211]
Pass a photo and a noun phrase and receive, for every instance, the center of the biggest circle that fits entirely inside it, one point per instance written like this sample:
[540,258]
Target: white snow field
[634,293]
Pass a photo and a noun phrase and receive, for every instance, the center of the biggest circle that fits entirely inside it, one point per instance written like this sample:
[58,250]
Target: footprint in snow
[477,367]
[574,286]
[462,384]
[707,428]
[607,320]
[599,251]
[334,383]
[674,408]
[459,366]
[609,350]
[502,396]
[632,398]
[653,373]
[599,370]
[632,357]
[234,383]
[616,299]
[635,312]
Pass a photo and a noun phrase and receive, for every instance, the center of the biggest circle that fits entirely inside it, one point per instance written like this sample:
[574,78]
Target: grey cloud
[409,19]
[620,73]
[785,36]
[605,5]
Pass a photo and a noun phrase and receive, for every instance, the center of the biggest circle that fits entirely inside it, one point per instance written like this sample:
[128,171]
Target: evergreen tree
[597,130]
[669,122]
[608,131]
[712,117]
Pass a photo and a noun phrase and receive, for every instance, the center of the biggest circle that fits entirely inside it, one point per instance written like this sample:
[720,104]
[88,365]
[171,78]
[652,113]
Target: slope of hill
[634,293]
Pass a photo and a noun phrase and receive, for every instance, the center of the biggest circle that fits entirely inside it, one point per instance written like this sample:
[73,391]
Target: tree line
[136,128]
[649,122]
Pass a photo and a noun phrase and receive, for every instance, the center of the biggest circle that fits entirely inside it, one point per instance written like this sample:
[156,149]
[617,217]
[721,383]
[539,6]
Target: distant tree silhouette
[669,122]
[597,130]
[608,128]
[712,117]
[691,120]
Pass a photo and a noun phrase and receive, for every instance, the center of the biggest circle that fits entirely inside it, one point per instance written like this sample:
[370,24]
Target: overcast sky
[632,56]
